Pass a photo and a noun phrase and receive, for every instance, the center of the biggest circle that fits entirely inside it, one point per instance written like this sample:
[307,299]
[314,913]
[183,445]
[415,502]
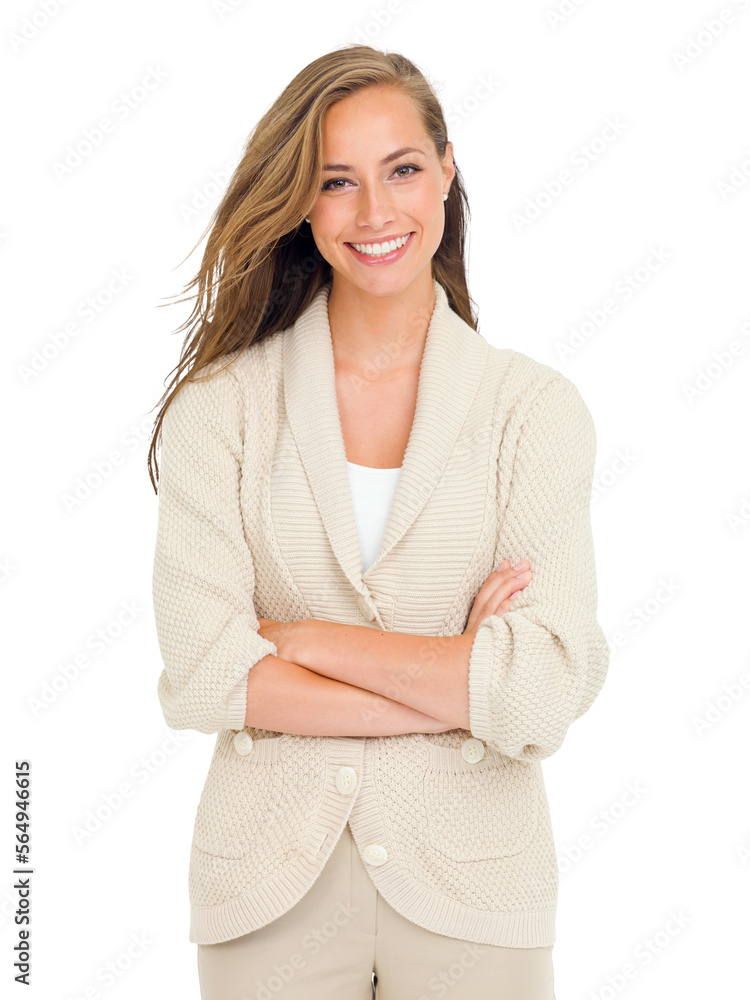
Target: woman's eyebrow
[386,159]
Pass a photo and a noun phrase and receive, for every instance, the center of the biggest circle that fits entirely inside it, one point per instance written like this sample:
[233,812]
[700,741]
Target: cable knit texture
[255,518]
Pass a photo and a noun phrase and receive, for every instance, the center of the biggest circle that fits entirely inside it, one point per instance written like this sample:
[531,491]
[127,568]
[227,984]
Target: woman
[352,497]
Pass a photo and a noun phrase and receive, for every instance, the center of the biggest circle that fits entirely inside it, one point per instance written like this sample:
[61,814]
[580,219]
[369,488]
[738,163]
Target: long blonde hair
[261,267]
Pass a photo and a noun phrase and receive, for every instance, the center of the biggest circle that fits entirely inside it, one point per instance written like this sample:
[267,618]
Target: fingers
[499,590]
[505,581]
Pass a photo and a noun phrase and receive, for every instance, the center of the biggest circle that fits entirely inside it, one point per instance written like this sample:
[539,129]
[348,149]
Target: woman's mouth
[373,254]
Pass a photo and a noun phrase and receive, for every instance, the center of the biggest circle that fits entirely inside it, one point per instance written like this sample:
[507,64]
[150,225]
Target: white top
[372,494]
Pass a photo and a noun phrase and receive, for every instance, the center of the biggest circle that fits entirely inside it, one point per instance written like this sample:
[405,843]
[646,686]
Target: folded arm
[287,698]
[520,679]
[219,672]
[427,674]
[536,669]
[203,576]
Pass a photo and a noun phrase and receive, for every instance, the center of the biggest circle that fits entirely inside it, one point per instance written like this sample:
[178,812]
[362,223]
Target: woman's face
[364,201]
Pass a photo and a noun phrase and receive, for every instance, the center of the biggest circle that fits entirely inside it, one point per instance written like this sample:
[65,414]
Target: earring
[307,218]
[445,197]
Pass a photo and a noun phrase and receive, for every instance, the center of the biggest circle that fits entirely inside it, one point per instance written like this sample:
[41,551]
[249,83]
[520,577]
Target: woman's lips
[371,260]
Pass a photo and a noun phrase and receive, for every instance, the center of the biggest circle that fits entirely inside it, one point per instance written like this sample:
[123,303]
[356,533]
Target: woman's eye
[338,180]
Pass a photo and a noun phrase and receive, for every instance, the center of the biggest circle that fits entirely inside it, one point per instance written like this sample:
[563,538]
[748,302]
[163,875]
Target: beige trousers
[343,941]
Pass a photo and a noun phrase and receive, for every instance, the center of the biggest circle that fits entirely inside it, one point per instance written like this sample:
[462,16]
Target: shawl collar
[453,362]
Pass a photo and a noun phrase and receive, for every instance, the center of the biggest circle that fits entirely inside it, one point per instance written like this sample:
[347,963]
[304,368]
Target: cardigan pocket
[240,797]
[479,811]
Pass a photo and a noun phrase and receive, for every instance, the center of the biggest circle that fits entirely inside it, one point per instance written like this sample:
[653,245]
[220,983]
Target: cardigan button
[243,743]
[374,854]
[367,613]
[472,750]
[346,780]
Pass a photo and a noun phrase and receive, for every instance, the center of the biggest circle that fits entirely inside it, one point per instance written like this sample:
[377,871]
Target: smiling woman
[379,222]
[374,577]
[360,209]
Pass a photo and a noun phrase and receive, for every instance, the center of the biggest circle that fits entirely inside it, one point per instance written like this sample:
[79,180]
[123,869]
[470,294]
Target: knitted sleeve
[203,574]
[537,668]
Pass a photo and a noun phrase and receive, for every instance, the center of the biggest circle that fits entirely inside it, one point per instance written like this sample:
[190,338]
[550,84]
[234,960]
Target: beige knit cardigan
[256,519]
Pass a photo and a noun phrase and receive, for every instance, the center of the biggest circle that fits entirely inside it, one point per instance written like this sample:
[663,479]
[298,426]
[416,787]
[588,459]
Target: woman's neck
[385,331]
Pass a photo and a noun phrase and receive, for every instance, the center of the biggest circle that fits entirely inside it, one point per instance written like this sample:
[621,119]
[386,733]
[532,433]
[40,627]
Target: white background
[522,92]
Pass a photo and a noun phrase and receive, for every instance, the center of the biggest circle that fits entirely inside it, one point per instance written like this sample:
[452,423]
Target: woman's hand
[281,634]
[498,592]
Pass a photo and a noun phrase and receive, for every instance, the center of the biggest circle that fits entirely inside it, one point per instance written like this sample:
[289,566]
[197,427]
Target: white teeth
[378,249]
